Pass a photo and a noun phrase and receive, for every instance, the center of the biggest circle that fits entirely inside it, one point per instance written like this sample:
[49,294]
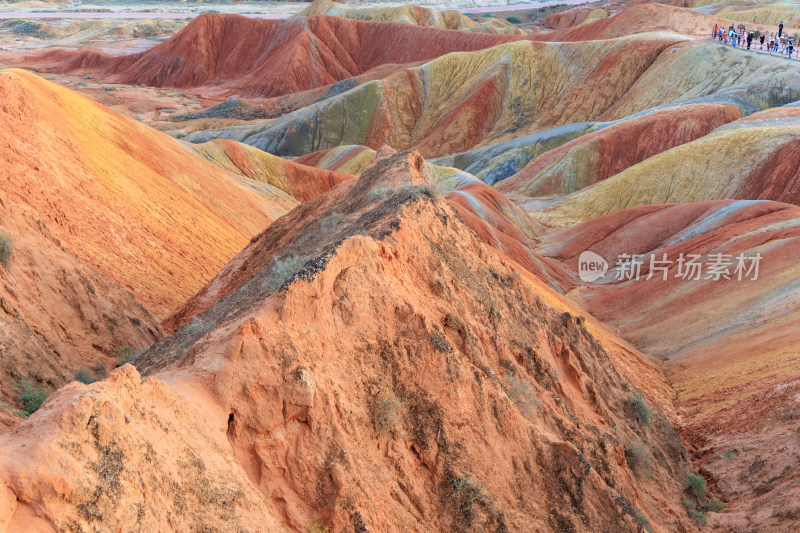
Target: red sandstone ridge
[278,56]
[386,386]
[281,57]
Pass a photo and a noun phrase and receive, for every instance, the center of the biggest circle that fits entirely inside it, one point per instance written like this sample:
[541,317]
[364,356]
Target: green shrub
[388,413]
[638,457]
[284,269]
[83,376]
[452,321]
[31,398]
[6,249]
[87,77]
[522,394]
[640,408]
[513,20]
[464,498]
[729,454]
[696,485]
[100,371]
[109,88]
[694,513]
[379,192]
[643,521]
[127,354]
[79,84]
[714,506]
[429,191]
[332,220]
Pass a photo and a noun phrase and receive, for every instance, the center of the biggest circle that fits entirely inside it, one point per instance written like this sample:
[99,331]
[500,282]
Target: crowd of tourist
[755,40]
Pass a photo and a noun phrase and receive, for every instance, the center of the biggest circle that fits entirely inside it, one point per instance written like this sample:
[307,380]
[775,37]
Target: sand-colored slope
[731,346]
[596,156]
[352,159]
[299,181]
[772,14]
[573,17]
[127,200]
[449,19]
[73,32]
[640,18]
[754,158]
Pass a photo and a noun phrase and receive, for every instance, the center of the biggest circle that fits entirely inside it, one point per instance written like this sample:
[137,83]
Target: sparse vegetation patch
[388,414]
[6,249]
[638,458]
[31,398]
[640,408]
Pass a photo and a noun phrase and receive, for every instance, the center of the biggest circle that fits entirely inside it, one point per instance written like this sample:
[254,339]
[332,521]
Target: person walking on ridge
[749,39]
[780,29]
[762,41]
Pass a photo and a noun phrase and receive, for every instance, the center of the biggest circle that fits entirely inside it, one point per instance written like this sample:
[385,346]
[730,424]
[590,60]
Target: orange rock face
[366,392]
[124,454]
[112,224]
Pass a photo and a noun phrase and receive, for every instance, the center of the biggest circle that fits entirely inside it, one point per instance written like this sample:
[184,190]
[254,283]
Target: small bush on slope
[284,269]
[638,458]
[31,398]
[522,394]
[696,485]
[640,408]
[694,513]
[388,414]
[83,376]
[6,249]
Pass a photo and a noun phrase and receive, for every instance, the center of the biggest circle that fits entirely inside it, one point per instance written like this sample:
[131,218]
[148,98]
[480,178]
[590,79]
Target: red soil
[279,57]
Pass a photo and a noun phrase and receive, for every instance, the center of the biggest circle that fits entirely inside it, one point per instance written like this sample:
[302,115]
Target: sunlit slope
[754,158]
[127,200]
